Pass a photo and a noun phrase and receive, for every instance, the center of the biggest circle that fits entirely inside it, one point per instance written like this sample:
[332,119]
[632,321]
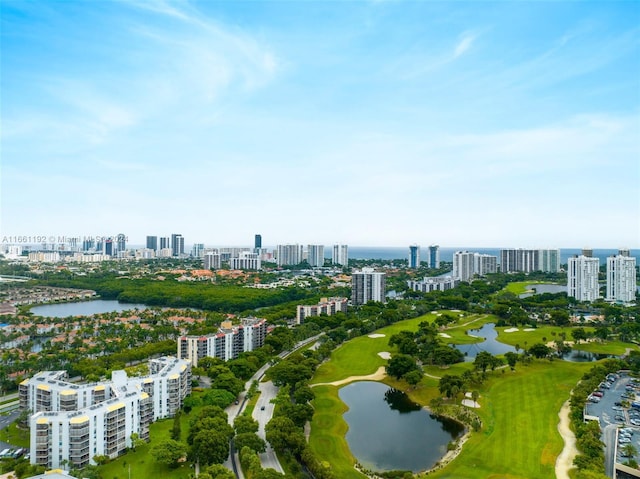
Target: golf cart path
[564,462]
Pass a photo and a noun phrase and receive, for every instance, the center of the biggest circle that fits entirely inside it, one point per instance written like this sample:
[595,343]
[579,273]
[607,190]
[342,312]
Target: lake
[545,288]
[387,431]
[83,308]
[490,344]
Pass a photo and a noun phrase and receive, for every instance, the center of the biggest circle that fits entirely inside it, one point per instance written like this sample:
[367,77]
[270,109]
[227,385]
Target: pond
[544,288]
[577,356]
[387,431]
[83,308]
[490,344]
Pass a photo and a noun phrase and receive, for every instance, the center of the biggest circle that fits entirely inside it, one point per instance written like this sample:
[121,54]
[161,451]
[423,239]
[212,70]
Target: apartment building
[73,423]
[326,306]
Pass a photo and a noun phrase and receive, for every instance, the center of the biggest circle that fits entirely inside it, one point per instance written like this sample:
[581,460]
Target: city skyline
[458,123]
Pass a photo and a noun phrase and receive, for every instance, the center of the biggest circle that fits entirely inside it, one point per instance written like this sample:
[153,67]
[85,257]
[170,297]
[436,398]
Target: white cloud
[463,45]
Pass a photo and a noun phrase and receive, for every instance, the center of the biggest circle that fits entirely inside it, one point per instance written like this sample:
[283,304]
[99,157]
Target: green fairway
[609,347]
[519,439]
[530,336]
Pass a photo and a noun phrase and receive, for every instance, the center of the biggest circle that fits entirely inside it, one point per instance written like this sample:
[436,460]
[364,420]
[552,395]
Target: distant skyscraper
[582,278]
[177,244]
[108,247]
[121,242]
[88,245]
[434,256]
[315,255]
[414,256]
[624,252]
[288,254]
[340,254]
[152,242]
[484,264]
[588,252]
[257,242]
[367,285]
[197,250]
[165,242]
[211,260]
[621,279]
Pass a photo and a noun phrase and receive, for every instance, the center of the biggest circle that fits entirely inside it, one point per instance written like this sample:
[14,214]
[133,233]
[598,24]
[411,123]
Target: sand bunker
[376,336]
[470,403]
[384,354]
[529,329]
[511,330]
[444,335]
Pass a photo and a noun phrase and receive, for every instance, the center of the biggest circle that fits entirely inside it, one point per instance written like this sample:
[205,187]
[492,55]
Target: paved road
[267,392]
[609,439]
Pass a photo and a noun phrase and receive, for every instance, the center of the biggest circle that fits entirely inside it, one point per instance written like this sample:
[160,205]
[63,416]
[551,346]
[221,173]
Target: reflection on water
[387,431]
[544,288]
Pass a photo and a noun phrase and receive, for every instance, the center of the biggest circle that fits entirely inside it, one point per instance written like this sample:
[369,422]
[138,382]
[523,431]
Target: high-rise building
[315,255]
[165,242]
[211,260]
[108,247]
[152,242]
[624,252]
[326,306]
[177,244]
[288,254]
[121,240]
[528,260]
[588,252]
[197,250]
[414,256]
[463,265]
[484,264]
[437,283]
[257,242]
[582,278]
[367,285]
[621,279]
[340,255]
[246,260]
[88,244]
[434,256]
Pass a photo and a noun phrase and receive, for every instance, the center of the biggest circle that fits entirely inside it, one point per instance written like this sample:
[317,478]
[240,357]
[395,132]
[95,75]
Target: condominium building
[466,265]
[621,278]
[227,343]
[257,242]
[528,260]
[211,260]
[414,256]
[326,306]
[434,256]
[367,285]
[44,256]
[315,255]
[463,265]
[197,250]
[582,278]
[340,255]
[246,260]
[72,423]
[177,244]
[288,254]
[429,284]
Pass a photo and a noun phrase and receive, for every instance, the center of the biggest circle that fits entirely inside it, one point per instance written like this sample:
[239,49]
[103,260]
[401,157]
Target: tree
[486,360]
[218,471]
[629,450]
[250,440]
[401,364]
[539,350]
[168,452]
[448,382]
[413,377]
[243,424]
[512,359]
[578,334]
[560,317]
[283,434]
[210,447]
[176,430]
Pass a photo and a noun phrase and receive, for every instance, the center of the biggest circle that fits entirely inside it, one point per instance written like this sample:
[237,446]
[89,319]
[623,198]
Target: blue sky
[368,123]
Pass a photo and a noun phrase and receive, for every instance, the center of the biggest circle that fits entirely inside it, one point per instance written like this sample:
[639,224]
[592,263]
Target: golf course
[519,409]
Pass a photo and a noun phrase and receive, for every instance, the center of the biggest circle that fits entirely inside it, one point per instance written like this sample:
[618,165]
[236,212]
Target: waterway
[83,308]
[387,431]
[490,343]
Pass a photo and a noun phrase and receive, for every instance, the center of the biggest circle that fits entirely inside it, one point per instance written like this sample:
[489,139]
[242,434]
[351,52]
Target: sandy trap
[376,336]
[384,354]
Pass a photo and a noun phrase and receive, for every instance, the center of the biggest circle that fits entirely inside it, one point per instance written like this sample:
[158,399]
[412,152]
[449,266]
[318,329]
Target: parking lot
[620,425]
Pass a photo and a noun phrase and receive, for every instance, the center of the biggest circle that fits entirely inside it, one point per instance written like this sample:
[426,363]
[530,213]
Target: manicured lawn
[609,347]
[14,435]
[534,336]
[519,409]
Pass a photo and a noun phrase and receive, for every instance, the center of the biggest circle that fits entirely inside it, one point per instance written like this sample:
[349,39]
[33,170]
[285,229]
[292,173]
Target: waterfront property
[73,423]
